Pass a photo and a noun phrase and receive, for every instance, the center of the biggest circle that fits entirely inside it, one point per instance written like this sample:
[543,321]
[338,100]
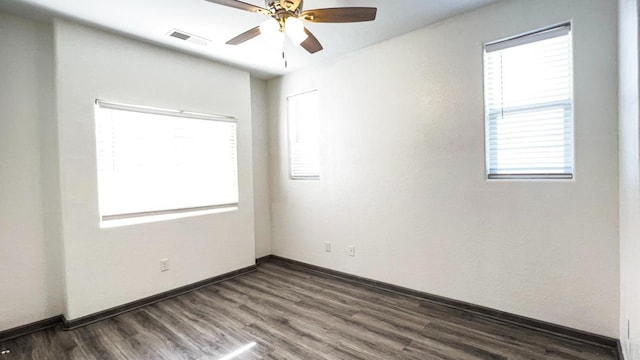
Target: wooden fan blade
[290,5]
[311,43]
[340,15]
[245,36]
[241,5]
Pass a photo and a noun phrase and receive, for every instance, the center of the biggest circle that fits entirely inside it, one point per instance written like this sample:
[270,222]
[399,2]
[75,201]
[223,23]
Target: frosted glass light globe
[294,28]
[270,29]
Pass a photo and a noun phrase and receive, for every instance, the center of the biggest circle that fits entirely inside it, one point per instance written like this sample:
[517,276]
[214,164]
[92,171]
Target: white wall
[402,164]
[29,265]
[261,198]
[629,180]
[109,267]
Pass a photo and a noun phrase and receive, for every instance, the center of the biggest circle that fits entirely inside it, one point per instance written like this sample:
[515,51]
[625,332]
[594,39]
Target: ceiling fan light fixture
[270,29]
[286,21]
[294,28]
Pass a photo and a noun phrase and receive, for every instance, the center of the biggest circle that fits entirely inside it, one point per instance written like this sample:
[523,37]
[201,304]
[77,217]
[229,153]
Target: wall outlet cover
[164,265]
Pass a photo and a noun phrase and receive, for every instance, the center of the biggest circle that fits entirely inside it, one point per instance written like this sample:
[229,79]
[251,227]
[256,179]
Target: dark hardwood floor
[292,313]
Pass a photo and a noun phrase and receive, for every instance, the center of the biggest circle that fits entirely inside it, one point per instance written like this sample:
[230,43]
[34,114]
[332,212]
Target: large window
[304,155]
[529,106]
[154,161]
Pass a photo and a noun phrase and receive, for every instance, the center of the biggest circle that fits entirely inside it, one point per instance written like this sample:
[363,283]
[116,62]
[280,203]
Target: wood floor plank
[291,313]
[347,352]
[283,345]
[506,347]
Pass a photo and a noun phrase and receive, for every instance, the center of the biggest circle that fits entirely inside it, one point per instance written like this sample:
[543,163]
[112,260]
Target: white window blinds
[304,154]
[153,161]
[529,107]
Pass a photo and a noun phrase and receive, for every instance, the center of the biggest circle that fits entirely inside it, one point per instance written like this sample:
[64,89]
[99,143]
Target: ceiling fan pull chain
[284,57]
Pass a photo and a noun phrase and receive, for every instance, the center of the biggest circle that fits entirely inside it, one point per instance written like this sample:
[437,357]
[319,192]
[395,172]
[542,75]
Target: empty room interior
[319,179]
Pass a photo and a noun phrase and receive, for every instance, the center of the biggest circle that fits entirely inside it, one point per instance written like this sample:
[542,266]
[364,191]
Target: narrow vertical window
[529,106]
[304,154]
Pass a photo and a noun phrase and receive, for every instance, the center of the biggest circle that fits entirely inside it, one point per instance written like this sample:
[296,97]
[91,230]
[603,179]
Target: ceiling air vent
[182,35]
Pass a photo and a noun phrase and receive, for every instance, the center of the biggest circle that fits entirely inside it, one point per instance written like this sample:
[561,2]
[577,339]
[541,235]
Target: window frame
[126,218]
[292,176]
[533,36]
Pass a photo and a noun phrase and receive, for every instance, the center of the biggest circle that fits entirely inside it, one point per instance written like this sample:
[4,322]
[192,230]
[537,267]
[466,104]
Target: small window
[304,155]
[157,162]
[529,106]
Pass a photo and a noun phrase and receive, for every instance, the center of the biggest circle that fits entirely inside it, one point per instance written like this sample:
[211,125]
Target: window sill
[529,177]
[105,224]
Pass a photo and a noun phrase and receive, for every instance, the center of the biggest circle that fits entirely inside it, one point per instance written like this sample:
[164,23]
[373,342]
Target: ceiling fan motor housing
[281,8]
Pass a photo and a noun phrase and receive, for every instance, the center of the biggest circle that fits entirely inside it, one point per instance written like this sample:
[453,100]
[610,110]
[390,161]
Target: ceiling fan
[287,18]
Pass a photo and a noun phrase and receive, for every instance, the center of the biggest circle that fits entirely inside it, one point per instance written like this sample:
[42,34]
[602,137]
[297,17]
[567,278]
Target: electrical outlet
[164,265]
[352,250]
[327,246]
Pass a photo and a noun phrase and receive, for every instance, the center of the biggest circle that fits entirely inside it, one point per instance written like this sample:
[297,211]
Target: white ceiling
[151,20]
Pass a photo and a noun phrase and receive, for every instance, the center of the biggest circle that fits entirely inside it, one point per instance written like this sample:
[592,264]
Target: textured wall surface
[111,266]
[402,163]
[29,249]
[629,181]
